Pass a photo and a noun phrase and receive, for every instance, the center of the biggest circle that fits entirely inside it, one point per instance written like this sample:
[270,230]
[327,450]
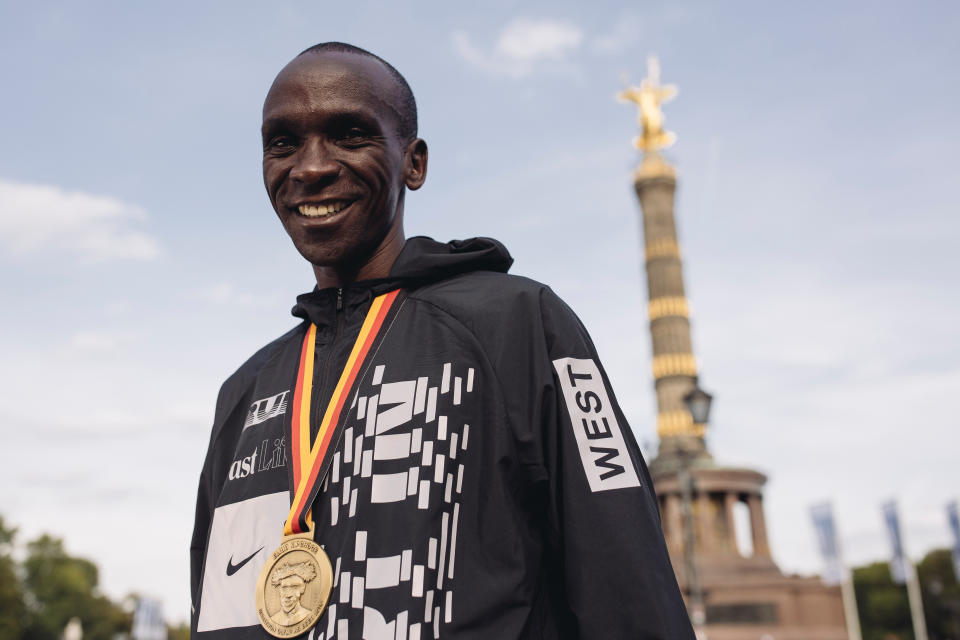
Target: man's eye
[280,143]
[354,135]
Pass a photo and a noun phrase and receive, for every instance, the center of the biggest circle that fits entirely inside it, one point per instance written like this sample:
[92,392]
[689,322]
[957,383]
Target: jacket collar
[422,260]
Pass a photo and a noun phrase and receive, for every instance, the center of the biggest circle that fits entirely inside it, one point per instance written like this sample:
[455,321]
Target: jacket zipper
[322,399]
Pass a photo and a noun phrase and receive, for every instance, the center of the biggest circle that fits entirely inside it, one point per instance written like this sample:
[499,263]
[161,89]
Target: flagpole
[902,569]
[916,603]
[847,594]
[850,612]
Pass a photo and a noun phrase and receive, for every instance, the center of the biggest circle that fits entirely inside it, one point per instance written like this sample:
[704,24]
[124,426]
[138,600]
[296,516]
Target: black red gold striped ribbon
[309,462]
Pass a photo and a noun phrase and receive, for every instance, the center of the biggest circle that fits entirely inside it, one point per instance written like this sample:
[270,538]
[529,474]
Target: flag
[827,538]
[954,521]
[898,562]
[148,622]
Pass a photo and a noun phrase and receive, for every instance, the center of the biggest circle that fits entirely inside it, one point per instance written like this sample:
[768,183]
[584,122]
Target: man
[480,480]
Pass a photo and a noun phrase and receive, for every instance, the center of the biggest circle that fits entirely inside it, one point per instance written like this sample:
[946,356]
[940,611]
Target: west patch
[604,454]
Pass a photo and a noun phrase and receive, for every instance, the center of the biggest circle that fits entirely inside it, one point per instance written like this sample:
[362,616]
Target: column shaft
[674,367]
[729,502]
[758,527]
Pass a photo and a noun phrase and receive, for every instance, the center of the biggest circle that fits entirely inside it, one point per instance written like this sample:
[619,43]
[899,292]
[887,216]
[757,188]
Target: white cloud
[37,218]
[522,47]
[535,40]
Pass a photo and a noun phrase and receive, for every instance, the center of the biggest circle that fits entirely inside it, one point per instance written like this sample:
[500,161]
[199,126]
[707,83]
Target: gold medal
[295,583]
[294,587]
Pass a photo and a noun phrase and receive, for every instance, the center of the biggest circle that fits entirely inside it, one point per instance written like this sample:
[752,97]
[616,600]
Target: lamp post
[698,404]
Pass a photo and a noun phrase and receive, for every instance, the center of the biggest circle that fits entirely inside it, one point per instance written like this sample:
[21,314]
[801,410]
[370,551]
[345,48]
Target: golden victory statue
[648,97]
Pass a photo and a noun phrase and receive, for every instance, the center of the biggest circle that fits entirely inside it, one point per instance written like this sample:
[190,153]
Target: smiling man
[436,436]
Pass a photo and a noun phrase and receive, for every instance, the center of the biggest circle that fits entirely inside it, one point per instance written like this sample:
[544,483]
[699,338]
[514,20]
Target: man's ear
[415,161]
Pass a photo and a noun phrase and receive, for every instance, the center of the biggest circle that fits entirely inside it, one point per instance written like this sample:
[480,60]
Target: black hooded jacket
[486,484]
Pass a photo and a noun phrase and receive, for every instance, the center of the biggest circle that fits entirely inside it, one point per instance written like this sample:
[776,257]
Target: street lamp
[698,404]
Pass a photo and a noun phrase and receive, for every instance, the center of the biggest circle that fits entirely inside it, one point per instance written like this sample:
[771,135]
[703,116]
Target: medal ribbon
[309,460]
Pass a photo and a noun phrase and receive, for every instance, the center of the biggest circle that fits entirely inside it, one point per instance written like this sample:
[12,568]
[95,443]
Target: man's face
[333,163]
[291,588]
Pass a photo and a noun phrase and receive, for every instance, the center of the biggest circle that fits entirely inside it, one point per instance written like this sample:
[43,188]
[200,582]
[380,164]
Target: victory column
[731,595]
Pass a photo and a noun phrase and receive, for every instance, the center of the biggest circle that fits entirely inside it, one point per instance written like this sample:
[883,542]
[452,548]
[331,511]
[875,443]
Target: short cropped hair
[406,104]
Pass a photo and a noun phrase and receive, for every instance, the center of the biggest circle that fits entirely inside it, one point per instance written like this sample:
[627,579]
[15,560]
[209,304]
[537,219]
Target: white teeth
[321,210]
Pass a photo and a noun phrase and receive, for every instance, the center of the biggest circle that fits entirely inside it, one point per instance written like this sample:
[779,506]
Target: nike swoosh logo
[233,568]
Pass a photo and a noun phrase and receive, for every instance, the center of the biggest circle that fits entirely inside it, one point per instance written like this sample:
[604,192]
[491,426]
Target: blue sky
[817,211]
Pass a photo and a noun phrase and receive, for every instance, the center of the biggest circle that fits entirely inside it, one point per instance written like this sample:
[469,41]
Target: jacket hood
[426,260]
[423,260]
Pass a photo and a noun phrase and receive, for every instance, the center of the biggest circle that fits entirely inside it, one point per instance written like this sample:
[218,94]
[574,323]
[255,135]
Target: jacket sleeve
[602,526]
[233,401]
[206,502]
[228,418]
[201,529]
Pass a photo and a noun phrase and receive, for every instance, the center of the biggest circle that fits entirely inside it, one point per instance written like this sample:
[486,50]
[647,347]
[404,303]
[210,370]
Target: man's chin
[333,258]
[326,257]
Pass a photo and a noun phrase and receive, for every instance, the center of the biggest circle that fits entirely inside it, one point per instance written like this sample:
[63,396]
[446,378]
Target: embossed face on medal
[294,587]
[291,579]
[336,157]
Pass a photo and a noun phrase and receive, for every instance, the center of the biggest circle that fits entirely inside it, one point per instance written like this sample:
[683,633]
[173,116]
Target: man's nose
[314,163]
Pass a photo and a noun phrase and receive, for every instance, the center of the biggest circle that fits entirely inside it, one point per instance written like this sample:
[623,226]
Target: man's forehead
[333,76]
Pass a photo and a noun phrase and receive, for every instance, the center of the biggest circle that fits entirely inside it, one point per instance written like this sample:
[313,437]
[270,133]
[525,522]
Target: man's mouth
[322,210]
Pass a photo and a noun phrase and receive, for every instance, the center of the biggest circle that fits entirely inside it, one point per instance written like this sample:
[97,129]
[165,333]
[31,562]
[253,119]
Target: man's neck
[378,265]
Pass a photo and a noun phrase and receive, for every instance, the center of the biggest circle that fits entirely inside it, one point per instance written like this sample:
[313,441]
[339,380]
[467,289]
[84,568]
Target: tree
[12,609]
[178,632]
[60,587]
[885,609]
[941,595]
